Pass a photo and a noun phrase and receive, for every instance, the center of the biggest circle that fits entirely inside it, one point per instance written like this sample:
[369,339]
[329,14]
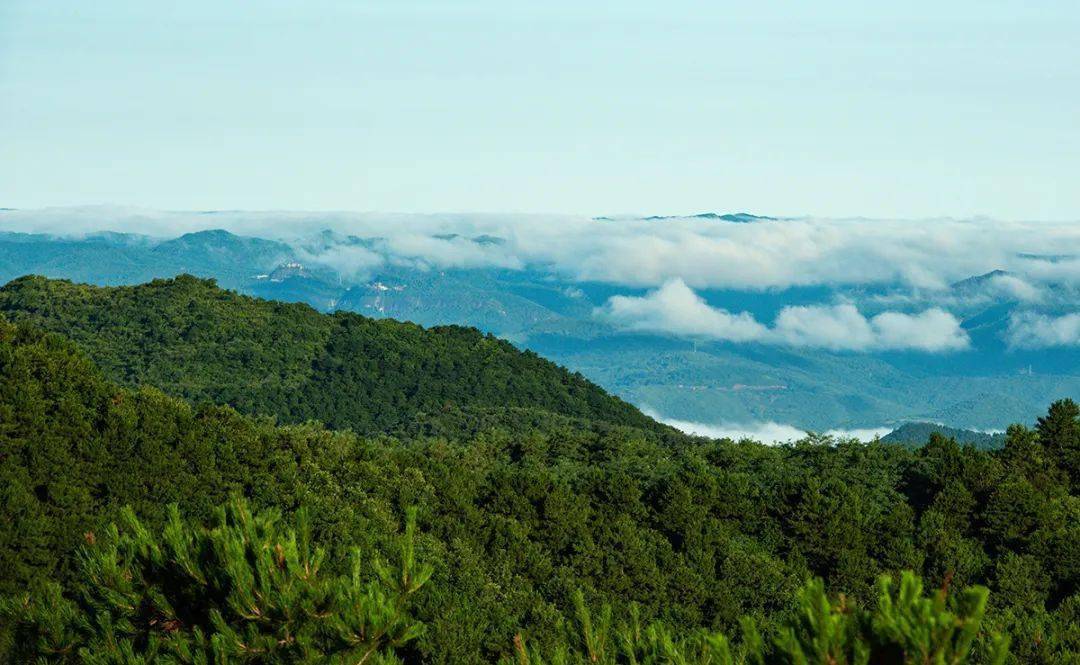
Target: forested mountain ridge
[194,340]
[517,522]
[918,433]
[487,281]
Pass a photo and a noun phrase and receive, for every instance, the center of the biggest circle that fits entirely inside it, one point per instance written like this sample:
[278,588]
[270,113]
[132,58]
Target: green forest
[196,341]
[192,476]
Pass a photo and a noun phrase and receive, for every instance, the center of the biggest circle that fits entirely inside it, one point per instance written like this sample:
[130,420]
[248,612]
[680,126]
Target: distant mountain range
[537,307]
[737,217]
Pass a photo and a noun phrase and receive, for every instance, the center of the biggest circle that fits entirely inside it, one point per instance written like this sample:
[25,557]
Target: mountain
[195,340]
[737,217]
[120,258]
[545,309]
[105,259]
[526,529]
[295,282]
[229,258]
[919,434]
[977,281]
[438,297]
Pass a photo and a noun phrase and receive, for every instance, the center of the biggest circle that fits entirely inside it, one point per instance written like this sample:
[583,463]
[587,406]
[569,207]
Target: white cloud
[703,253]
[766,432]
[843,328]
[675,309]
[1016,288]
[448,251]
[862,434]
[352,262]
[928,254]
[1063,270]
[1029,330]
[930,330]
[837,327]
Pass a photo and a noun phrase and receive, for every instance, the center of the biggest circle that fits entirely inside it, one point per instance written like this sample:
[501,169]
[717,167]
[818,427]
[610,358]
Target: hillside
[479,281]
[194,340]
[124,258]
[918,433]
[516,525]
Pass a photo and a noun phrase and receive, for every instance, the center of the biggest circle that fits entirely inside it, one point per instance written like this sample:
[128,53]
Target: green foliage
[519,507]
[1059,432]
[247,589]
[905,627]
[250,589]
[193,340]
[918,433]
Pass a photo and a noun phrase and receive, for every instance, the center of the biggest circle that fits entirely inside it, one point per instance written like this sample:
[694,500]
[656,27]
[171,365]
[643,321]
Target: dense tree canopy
[194,340]
[520,509]
[251,590]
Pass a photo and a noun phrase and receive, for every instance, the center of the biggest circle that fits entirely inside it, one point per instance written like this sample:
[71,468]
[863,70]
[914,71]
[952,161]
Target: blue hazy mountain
[118,258]
[463,297]
[985,387]
[736,217]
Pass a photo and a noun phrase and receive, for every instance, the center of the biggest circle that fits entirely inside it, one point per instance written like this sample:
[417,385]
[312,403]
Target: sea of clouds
[774,433]
[675,308]
[676,258]
[766,432]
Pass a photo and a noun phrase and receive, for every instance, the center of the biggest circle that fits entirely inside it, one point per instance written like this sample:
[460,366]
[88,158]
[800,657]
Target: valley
[678,377]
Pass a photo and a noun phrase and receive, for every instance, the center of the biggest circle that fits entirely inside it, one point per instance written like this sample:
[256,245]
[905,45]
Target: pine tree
[1059,432]
[904,628]
[249,589]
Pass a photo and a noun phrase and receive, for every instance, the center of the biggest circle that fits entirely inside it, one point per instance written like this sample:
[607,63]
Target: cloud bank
[766,432]
[1030,330]
[1015,288]
[703,253]
[901,275]
[675,309]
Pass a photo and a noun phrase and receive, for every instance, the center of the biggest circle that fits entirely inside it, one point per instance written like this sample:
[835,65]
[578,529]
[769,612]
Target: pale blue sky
[828,107]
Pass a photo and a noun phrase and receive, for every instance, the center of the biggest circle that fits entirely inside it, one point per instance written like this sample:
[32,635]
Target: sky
[831,108]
